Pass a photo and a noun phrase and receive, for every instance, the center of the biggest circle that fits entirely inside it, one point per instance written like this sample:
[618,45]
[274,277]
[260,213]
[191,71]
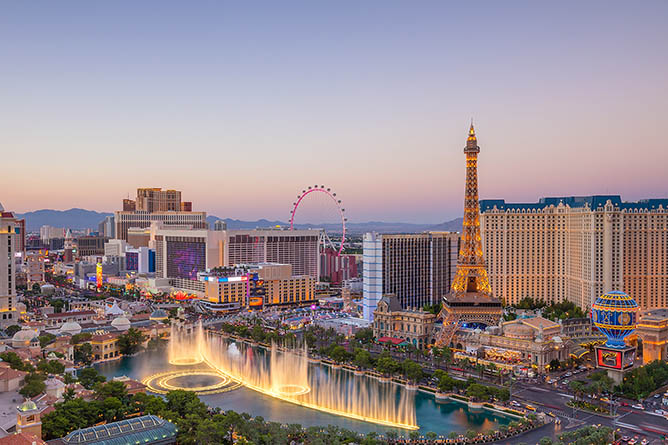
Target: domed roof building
[23,337]
[159,315]
[70,328]
[28,405]
[121,323]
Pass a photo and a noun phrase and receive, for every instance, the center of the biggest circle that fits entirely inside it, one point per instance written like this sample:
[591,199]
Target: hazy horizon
[242,105]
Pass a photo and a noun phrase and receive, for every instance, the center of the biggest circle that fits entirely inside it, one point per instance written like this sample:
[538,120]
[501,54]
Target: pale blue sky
[242,104]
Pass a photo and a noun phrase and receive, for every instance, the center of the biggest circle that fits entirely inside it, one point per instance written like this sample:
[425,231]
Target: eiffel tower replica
[470,299]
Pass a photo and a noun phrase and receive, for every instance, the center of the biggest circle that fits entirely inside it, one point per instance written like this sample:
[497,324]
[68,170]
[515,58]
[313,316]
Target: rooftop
[144,429]
[593,202]
[69,314]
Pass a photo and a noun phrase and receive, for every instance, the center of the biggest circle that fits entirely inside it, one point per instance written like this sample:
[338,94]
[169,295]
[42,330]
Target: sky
[241,105]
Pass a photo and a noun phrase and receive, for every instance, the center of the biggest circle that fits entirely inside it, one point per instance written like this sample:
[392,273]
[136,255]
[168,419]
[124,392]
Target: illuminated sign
[226,279]
[98,276]
[619,359]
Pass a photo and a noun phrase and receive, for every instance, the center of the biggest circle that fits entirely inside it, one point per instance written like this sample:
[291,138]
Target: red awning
[394,341]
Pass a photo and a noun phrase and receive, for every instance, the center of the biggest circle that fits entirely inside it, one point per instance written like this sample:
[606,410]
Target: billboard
[611,358]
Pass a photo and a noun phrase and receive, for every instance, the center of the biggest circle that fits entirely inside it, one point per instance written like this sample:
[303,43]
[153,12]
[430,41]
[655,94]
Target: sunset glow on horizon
[242,105]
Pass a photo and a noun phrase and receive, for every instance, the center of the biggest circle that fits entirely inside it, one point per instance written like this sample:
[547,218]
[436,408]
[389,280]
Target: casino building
[523,343]
[576,248]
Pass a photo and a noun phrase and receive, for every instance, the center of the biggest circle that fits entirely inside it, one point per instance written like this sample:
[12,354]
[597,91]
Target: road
[630,421]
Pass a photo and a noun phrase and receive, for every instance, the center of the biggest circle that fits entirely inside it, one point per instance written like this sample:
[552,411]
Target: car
[638,406]
[530,407]
[644,441]
[623,403]
[514,403]
[656,396]
[604,399]
[659,411]
[632,441]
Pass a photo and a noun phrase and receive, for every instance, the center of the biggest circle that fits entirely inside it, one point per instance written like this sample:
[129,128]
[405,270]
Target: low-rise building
[56,320]
[251,284]
[652,329]
[412,325]
[105,347]
[529,342]
[10,379]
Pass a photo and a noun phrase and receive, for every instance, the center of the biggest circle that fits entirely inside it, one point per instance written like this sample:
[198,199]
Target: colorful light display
[98,276]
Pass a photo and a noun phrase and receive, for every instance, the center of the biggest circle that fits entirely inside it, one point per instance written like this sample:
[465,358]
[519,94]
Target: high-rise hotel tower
[577,248]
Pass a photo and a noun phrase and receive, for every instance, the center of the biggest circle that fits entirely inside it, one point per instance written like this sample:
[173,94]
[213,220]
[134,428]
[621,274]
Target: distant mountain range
[72,219]
[454,225]
[88,219]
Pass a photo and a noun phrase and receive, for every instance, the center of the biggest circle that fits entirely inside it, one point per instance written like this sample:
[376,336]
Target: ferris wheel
[338,207]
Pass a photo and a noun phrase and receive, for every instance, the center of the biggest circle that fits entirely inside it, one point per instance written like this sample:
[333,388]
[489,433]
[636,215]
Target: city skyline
[242,107]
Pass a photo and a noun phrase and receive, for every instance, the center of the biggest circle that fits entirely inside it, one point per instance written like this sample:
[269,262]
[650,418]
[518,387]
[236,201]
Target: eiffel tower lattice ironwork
[471,297]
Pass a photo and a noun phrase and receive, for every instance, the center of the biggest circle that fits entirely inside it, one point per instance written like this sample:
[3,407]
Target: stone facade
[532,342]
[414,326]
[652,329]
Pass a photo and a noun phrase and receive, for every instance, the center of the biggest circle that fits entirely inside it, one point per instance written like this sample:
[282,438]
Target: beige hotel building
[577,248]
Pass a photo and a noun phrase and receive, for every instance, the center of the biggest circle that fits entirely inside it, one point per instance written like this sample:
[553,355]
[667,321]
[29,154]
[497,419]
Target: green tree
[88,377]
[51,367]
[15,361]
[148,404]
[130,342]
[81,337]
[257,333]
[112,409]
[387,365]
[339,354]
[470,434]
[412,370]
[364,335]
[83,353]
[362,358]
[185,402]
[211,431]
[69,394]
[446,383]
[11,330]
[33,385]
[113,388]
[57,304]
[555,364]
[477,392]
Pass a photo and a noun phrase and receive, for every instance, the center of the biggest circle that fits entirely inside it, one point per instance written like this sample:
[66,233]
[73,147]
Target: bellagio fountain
[209,363]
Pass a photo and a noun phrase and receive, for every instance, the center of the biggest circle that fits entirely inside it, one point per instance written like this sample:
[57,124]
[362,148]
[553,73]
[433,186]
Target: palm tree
[577,387]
